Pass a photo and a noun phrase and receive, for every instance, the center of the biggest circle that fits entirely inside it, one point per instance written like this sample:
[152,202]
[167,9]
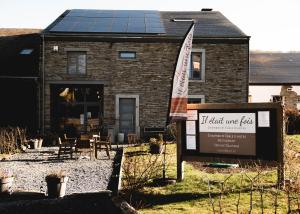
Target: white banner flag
[178,105]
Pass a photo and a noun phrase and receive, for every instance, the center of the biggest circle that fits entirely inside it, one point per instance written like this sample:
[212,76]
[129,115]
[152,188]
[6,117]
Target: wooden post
[180,166]
[280,130]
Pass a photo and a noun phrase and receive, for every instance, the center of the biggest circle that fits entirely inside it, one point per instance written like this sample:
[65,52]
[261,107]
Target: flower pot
[35,144]
[156,148]
[56,186]
[6,185]
[121,137]
[40,143]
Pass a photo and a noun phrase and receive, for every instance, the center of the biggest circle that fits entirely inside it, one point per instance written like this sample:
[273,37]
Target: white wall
[264,93]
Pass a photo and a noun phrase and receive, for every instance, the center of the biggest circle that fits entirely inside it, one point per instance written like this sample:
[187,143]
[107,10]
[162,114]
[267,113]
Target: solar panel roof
[107,21]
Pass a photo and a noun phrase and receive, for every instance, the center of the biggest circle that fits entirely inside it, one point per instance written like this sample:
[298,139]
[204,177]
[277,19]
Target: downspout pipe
[43,84]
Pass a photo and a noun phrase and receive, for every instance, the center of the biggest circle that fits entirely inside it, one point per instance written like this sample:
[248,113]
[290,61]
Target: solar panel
[106,21]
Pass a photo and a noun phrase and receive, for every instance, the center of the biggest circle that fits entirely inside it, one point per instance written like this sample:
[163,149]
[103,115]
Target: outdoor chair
[132,138]
[85,144]
[66,147]
[106,142]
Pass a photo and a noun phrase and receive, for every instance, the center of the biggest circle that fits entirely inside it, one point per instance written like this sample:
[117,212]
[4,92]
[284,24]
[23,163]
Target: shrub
[292,121]
[138,170]
[11,139]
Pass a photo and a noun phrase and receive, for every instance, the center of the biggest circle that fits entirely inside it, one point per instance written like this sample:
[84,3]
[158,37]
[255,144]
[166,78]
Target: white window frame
[202,78]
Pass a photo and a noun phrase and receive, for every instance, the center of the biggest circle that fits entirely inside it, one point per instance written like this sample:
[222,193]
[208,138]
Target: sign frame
[276,113]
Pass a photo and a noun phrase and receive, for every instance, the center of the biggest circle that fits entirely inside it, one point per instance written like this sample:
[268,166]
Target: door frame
[137,109]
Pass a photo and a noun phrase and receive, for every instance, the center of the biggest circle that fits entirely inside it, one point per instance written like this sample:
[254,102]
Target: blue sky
[272,24]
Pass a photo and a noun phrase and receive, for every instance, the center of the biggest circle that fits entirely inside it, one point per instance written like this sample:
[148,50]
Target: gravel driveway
[31,167]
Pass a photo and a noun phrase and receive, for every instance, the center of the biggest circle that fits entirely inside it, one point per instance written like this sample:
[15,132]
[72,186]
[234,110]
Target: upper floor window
[197,64]
[127,55]
[76,62]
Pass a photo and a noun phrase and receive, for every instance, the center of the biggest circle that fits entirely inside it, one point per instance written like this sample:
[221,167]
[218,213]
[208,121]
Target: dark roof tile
[274,68]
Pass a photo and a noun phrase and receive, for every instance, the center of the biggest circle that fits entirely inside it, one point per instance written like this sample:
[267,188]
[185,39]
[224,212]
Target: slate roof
[12,42]
[17,31]
[209,24]
[274,68]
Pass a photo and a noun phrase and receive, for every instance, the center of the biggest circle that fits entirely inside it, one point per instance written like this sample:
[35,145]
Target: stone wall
[149,75]
[289,97]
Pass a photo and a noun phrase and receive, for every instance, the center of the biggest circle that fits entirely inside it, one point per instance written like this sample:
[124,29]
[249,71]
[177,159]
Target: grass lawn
[194,195]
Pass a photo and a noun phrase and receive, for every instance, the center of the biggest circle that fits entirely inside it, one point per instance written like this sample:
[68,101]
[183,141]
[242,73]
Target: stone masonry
[150,74]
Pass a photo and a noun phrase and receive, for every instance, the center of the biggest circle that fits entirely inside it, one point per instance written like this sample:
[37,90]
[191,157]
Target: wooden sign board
[232,133]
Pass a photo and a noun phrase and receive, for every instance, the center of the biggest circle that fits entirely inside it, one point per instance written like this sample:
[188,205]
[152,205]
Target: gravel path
[31,167]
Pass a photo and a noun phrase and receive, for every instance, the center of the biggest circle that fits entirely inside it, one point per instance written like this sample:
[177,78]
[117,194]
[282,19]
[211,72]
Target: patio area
[31,167]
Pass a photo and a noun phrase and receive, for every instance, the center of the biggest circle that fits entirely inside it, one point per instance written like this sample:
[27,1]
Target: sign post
[180,163]
[231,133]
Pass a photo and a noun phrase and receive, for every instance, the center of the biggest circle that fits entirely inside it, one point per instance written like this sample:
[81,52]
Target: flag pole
[176,69]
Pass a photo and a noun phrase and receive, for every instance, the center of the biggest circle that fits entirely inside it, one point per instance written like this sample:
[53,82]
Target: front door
[127,112]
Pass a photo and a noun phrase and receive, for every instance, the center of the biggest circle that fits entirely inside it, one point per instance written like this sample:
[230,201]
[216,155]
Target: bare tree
[212,201]
[252,181]
[222,190]
[239,195]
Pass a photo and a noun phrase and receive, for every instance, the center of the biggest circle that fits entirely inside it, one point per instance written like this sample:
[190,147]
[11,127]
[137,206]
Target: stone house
[275,77]
[113,69]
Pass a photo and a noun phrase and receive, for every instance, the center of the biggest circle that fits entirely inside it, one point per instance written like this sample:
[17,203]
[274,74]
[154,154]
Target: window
[197,65]
[127,55]
[195,99]
[26,51]
[276,98]
[76,108]
[182,20]
[76,62]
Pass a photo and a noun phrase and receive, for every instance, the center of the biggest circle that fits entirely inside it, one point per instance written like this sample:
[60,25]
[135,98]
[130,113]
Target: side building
[20,78]
[275,77]
[112,69]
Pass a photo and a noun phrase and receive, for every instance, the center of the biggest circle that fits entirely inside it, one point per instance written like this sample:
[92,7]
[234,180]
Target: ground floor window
[194,99]
[76,109]
[276,98]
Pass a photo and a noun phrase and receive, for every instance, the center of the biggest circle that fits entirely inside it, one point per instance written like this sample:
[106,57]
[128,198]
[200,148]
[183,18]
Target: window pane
[26,51]
[81,64]
[194,100]
[71,63]
[277,98]
[196,65]
[127,55]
